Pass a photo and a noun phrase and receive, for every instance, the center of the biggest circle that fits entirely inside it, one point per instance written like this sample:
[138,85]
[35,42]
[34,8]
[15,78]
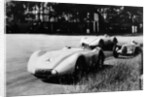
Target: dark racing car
[128,49]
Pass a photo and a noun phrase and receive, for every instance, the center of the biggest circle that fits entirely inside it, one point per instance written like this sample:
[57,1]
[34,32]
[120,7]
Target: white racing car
[105,42]
[132,48]
[66,61]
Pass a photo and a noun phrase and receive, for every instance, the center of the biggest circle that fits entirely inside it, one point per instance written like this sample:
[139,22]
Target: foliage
[80,16]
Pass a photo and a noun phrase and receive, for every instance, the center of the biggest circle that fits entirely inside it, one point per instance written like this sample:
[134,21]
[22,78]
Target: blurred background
[71,19]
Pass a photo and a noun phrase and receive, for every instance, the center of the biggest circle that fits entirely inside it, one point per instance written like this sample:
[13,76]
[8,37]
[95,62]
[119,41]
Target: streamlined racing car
[132,48]
[105,42]
[66,61]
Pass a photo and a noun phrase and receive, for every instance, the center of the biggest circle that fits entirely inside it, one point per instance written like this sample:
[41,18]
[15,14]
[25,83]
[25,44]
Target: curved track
[18,81]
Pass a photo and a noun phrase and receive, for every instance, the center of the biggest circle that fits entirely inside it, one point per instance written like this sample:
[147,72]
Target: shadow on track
[125,57]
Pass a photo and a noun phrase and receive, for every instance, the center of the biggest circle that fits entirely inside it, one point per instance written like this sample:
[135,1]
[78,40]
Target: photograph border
[105,2]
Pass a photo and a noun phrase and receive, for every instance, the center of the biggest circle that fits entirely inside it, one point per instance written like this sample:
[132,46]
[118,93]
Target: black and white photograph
[68,48]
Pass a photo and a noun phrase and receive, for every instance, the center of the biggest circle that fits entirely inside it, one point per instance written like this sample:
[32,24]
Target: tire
[101,58]
[101,44]
[137,51]
[124,51]
[79,68]
[115,54]
[115,40]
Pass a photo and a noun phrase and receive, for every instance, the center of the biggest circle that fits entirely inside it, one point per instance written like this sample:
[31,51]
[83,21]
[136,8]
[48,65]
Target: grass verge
[124,76]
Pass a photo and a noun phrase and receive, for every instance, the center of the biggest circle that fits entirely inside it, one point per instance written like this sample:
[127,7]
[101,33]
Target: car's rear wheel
[124,50]
[137,51]
[115,41]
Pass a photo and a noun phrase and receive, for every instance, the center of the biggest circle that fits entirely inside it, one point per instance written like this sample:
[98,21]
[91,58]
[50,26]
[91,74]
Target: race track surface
[18,50]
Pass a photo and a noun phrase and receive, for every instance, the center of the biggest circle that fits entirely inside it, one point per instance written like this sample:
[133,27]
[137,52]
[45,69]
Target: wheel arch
[81,58]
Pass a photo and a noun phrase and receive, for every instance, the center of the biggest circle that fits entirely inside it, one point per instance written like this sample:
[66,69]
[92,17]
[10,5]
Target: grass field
[117,75]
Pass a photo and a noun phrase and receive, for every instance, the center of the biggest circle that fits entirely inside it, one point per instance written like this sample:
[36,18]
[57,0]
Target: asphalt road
[20,82]
[18,50]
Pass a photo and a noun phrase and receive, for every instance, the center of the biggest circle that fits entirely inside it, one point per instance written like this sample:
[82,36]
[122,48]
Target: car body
[106,42]
[132,48]
[66,61]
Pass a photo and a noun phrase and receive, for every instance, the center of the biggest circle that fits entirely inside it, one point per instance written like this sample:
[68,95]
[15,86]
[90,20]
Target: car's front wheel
[137,51]
[101,58]
[79,70]
[115,53]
